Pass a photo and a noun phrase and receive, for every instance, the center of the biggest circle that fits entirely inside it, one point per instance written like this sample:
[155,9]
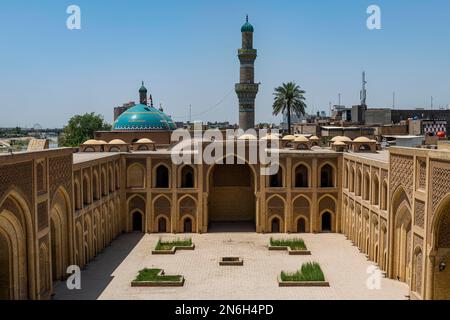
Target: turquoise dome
[143,117]
[247,27]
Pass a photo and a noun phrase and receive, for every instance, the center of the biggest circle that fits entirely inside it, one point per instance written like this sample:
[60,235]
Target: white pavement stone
[344,267]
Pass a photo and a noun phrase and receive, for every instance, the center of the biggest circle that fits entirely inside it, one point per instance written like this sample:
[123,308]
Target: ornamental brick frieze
[402,170]
[60,174]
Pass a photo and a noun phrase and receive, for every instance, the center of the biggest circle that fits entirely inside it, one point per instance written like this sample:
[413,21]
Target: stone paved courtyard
[109,276]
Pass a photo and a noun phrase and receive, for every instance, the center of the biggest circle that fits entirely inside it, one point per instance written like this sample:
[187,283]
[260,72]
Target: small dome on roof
[117,141]
[301,139]
[144,140]
[362,139]
[247,136]
[334,139]
[289,137]
[314,138]
[92,142]
[344,139]
[339,143]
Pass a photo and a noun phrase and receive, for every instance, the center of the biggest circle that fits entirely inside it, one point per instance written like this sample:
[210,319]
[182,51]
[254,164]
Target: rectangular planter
[290,251]
[173,250]
[302,283]
[158,283]
[231,261]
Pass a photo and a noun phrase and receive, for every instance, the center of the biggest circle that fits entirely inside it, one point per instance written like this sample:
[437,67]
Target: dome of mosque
[143,117]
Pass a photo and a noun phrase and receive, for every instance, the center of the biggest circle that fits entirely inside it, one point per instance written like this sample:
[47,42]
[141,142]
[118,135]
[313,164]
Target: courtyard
[110,274]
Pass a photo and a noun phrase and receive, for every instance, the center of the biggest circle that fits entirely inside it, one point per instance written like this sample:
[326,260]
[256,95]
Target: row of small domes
[115,141]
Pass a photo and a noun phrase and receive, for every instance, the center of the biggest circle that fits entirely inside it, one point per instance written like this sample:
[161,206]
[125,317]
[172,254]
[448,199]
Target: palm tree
[289,98]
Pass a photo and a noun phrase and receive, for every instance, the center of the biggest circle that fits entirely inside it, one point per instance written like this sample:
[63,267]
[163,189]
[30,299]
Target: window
[301,177]
[326,176]
[276,180]
[187,177]
[162,177]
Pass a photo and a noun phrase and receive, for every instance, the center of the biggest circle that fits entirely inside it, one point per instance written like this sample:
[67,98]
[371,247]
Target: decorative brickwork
[422,169]
[42,216]
[419,214]
[402,169]
[440,178]
[60,174]
[19,176]
[444,231]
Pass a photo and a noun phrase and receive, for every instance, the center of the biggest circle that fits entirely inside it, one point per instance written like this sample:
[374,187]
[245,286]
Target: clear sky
[186,52]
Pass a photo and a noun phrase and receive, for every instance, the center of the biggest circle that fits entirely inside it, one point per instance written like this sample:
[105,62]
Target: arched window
[187,177]
[275,228]
[276,180]
[137,221]
[359,183]
[111,179]
[187,225]
[162,177]
[326,222]
[96,186]
[301,177]
[77,195]
[351,180]
[162,225]
[117,178]
[326,176]
[86,190]
[376,191]
[366,186]
[384,191]
[301,225]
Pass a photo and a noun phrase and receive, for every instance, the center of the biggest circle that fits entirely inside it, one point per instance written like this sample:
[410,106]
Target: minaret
[247,89]
[143,94]
[363,93]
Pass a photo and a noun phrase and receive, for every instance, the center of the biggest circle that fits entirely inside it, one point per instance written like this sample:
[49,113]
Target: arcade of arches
[58,208]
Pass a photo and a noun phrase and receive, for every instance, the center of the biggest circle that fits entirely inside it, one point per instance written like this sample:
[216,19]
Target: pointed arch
[24,235]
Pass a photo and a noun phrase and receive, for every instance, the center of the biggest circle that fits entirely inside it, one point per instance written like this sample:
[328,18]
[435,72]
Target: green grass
[294,244]
[168,245]
[152,275]
[310,271]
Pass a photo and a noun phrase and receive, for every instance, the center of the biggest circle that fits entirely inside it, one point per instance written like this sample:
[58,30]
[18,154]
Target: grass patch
[310,271]
[168,245]
[152,275]
[294,244]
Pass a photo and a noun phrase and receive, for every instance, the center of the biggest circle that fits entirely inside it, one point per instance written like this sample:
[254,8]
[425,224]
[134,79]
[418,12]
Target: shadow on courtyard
[98,273]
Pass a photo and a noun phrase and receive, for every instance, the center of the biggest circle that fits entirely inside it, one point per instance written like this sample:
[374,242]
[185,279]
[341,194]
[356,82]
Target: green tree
[289,98]
[81,128]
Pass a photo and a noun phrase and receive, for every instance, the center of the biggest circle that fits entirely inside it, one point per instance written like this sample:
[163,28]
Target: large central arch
[231,199]
[440,257]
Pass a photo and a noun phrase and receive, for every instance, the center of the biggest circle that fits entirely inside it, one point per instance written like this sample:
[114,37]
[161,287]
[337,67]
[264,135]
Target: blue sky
[186,52]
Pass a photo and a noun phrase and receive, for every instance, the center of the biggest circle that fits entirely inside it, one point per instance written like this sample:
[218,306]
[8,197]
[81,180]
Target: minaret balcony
[247,87]
[247,53]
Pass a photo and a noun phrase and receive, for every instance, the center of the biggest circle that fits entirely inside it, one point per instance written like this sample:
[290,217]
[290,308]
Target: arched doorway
[137,221]
[60,234]
[187,225]
[162,225]
[326,222]
[402,243]
[441,258]
[275,225]
[16,249]
[231,201]
[5,269]
[301,225]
